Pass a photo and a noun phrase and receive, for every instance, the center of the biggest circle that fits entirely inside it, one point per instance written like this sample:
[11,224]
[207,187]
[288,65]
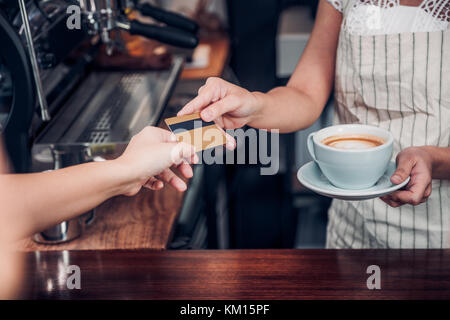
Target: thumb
[404,166]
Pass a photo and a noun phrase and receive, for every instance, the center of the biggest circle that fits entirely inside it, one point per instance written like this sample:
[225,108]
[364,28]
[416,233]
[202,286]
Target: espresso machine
[57,108]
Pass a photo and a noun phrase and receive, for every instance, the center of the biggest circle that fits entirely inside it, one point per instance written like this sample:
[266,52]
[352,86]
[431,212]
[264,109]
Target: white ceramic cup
[351,168]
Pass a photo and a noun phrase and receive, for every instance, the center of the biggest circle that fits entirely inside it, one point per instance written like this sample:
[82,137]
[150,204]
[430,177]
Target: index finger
[230,141]
[197,104]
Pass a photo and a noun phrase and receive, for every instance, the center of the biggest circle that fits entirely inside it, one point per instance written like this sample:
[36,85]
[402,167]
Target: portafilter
[104,16]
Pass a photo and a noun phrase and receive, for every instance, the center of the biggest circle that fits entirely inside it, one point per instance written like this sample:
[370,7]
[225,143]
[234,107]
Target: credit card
[193,130]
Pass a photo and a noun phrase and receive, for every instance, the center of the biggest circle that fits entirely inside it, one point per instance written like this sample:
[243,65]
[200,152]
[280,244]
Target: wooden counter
[240,274]
[143,221]
[218,58]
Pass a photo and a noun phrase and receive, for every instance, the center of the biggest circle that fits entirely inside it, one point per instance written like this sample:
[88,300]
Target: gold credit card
[193,130]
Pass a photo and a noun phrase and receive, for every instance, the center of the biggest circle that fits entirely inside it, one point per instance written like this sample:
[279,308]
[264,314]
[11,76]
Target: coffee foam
[353,141]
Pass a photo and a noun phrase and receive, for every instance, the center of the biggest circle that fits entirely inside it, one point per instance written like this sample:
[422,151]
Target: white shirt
[368,18]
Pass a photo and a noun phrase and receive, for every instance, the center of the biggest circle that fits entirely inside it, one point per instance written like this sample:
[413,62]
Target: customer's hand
[147,160]
[416,163]
[230,106]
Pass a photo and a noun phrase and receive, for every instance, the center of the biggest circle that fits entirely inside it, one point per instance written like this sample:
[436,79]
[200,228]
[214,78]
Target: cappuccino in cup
[351,156]
[353,141]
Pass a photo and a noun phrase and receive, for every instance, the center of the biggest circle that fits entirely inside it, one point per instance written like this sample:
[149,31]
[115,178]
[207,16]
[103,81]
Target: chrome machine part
[102,17]
[107,110]
[45,115]
[6,94]
[63,232]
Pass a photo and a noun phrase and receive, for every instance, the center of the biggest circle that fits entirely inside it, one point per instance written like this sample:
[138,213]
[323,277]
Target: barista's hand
[416,163]
[148,157]
[228,105]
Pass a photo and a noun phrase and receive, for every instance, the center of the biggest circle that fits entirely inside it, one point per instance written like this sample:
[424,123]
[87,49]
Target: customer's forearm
[286,109]
[33,202]
[440,161]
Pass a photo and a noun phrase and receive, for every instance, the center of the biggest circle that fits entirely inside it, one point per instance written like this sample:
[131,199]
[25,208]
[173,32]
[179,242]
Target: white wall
[216,6]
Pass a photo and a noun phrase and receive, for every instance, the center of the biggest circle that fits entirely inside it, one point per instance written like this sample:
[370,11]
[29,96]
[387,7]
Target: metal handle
[310,145]
[172,36]
[170,18]
[45,115]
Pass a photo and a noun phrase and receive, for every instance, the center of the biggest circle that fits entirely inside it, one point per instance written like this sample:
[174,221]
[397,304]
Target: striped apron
[400,82]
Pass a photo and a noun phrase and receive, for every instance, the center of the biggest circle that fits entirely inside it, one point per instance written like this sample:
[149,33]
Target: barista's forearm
[440,161]
[301,102]
[34,202]
[286,109]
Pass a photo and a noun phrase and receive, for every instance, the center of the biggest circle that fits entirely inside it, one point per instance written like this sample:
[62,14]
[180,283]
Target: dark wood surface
[239,274]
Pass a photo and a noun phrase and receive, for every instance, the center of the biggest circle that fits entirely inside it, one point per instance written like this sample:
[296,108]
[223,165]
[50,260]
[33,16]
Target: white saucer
[312,178]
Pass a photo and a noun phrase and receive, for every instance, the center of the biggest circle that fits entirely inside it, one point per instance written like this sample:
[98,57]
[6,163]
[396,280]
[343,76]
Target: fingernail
[183,111]
[396,179]
[158,185]
[231,143]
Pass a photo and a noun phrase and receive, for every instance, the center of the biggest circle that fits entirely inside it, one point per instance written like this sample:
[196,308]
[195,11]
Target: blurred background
[267,38]
[97,86]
